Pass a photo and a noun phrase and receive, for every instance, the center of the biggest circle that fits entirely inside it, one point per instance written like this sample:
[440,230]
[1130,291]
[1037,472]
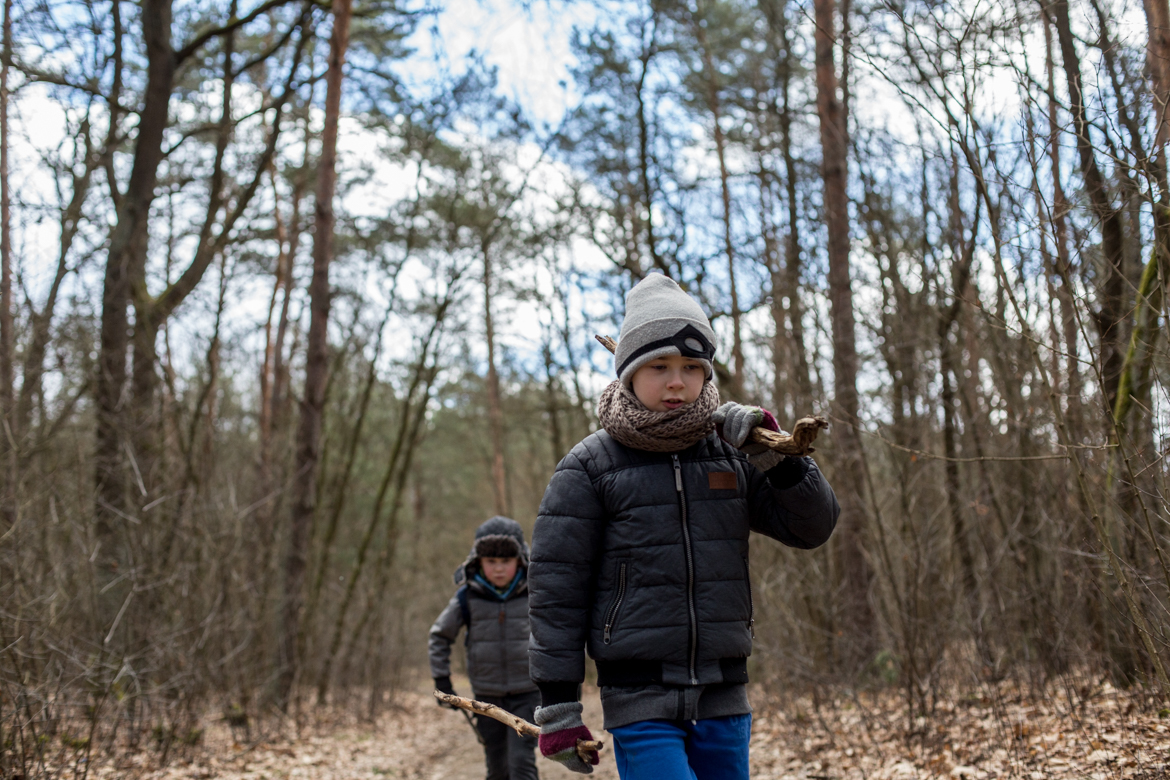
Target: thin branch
[231,26]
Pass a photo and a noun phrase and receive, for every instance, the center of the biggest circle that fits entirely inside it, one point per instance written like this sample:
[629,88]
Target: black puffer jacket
[642,558]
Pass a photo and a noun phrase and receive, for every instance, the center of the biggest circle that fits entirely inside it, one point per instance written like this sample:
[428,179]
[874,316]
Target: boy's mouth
[672,403]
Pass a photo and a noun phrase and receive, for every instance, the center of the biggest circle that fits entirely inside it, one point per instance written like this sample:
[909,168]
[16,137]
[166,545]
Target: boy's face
[667,383]
[499,571]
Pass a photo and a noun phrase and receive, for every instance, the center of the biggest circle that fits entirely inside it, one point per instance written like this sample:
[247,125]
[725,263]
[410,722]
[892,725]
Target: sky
[527,42]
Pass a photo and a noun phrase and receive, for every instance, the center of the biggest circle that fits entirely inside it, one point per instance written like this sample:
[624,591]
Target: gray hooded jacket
[497,629]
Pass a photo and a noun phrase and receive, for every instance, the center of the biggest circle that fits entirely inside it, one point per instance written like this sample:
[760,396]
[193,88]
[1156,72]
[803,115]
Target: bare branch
[233,25]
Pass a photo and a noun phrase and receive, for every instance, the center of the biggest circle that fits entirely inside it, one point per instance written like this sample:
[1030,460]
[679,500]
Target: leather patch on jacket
[722,480]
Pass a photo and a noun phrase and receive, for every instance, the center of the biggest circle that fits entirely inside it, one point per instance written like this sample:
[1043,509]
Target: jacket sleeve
[565,545]
[793,503]
[443,633]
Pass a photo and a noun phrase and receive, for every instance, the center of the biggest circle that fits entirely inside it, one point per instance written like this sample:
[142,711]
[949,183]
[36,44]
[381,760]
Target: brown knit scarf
[627,419]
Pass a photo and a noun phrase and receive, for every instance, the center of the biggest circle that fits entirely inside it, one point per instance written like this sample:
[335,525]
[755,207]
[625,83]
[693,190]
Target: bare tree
[317,362]
[711,93]
[1158,59]
[1109,318]
[8,495]
[495,408]
[125,273]
[849,468]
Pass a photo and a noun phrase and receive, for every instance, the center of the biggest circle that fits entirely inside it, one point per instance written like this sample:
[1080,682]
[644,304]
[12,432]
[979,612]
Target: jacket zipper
[503,623]
[747,573]
[682,503]
[611,616]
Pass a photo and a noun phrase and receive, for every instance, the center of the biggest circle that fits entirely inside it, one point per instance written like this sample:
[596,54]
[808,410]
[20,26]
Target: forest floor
[1093,731]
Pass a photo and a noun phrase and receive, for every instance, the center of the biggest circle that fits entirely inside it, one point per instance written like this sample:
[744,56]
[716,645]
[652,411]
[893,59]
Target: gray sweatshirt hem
[623,706]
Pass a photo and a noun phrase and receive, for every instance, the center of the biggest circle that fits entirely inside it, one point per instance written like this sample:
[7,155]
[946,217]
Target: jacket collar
[518,588]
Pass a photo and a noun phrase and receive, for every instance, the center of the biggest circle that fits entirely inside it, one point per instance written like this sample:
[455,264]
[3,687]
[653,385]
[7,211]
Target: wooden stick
[608,343]
[522,727]
[798,443]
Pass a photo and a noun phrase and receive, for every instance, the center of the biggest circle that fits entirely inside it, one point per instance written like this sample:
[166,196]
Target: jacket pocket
[615,606]
[747,576]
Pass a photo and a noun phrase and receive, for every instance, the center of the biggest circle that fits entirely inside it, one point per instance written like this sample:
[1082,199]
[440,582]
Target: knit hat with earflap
[498,537]
[662,320]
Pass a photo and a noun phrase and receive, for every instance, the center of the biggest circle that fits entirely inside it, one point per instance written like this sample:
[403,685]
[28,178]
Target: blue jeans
[709,749]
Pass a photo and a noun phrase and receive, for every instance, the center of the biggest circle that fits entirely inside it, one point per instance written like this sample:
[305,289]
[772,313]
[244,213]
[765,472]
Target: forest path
[419,741]
[1096,733]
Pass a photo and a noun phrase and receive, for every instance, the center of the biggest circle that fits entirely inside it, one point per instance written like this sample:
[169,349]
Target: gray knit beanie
[662,320]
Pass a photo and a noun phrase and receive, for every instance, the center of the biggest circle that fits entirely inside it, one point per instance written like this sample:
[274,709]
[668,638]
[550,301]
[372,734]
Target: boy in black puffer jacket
[492,603]
[640,554]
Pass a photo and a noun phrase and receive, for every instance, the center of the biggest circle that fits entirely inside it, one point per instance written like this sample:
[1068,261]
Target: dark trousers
[508,755]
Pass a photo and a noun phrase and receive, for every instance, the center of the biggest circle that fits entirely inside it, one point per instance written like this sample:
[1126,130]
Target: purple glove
[560,728]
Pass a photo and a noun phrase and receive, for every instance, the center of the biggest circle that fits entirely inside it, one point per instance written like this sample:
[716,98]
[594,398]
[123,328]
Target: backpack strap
[465,610]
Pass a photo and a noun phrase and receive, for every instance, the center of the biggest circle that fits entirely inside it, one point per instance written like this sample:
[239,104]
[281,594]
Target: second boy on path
[492,603]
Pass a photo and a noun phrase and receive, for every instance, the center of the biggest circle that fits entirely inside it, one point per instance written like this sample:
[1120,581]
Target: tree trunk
[1112,291]
[280,368]
[340,488]
[308,449]
[406,438]
[803,392]
[1074,406]
[849,471]
[648,52]
[781,353]
[1158,60]
[949,368]
[552,400]
[268,367]
[40,325]
[272,372]
[1065,294]
[7,397]
[799,375]
[735,391]
[126,263]
[495,410]
[152,313]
